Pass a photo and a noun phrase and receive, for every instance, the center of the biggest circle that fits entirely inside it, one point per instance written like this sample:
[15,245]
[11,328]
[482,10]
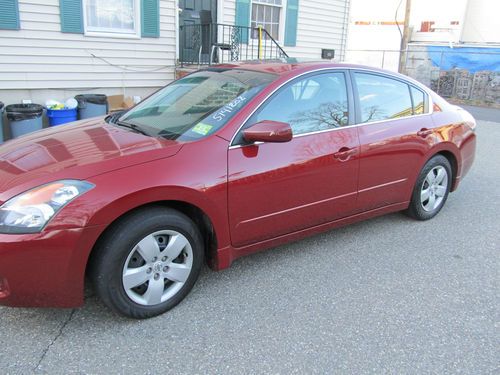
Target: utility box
[328,54]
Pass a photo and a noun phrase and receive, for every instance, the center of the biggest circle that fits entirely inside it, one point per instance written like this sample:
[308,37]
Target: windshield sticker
[221,116]
[229,108]
[202,128]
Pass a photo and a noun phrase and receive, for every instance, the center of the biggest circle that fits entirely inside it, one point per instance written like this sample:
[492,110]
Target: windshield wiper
[133,127]
[113,117]
[167,134]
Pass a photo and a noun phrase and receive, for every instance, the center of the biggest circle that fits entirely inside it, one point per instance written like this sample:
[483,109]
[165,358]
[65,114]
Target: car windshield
[197,105]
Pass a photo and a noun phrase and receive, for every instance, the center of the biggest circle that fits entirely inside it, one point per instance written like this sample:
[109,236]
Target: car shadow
[212,284]
[305,251]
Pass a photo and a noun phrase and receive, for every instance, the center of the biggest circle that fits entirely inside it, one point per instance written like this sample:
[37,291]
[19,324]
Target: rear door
[391,114]
[279,188]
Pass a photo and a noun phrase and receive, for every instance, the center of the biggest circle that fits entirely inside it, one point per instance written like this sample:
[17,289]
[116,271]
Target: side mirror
[268,131]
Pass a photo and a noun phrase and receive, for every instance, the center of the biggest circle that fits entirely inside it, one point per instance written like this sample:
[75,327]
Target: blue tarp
[473,59]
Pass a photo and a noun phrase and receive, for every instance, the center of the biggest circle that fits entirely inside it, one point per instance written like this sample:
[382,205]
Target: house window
[117,17]
[268,14]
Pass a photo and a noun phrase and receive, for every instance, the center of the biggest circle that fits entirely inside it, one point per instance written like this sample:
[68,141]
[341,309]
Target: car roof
[284,66]
[292,66]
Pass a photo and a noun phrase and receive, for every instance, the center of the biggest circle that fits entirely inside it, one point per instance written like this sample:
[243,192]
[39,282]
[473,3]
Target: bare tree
[325,116]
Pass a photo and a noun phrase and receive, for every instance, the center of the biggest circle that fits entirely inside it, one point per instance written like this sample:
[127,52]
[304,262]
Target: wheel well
[454,164]
[194,213]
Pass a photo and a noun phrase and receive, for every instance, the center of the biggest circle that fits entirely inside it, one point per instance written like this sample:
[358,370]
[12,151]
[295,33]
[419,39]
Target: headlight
[30,211]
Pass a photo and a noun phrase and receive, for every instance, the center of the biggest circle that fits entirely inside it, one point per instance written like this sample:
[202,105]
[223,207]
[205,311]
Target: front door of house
[194,19]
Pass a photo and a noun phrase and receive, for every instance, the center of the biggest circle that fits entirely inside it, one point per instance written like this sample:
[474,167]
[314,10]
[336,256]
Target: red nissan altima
[224,162]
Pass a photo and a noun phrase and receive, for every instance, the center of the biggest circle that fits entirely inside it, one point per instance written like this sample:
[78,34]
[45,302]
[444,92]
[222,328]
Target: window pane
[274,31]
[268,13]
[382,98]
[311,104]
[260,14]
[418,101]
[111,16]
[267,16]
[273,2]
[276,15]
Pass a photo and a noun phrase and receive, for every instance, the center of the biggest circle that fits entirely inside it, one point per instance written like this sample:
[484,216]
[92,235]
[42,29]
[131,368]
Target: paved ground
[389,295]
[484,113]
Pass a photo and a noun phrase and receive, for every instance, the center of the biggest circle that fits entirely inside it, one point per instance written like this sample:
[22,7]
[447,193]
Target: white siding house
[37,61]
[60,48]
[320,24]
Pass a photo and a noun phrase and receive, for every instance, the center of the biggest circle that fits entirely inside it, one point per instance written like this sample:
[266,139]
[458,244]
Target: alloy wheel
[157,267]
[434,188]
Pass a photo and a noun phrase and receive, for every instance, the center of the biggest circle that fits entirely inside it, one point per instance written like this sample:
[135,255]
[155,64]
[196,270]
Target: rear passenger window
[382,98]
[418,101]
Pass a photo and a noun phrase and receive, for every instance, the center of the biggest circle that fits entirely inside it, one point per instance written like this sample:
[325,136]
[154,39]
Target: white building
[60,48]
[375,27]
[471,22]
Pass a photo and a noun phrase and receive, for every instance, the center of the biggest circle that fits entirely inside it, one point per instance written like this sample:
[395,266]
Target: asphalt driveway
[389,295]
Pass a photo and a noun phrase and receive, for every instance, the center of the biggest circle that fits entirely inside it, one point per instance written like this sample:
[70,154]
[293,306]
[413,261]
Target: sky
[442,11]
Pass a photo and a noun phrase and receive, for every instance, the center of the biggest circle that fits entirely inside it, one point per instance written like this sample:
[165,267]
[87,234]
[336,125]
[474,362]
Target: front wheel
[431,190]
[148,262]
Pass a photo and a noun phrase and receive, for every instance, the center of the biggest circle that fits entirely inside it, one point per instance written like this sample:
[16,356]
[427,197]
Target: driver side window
[310,104]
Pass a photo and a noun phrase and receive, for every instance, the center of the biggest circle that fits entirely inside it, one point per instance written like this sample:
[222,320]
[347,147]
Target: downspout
[176,28]
[343,42]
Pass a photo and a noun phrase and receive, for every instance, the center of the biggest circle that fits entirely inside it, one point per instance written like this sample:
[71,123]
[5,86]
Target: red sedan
[224,162]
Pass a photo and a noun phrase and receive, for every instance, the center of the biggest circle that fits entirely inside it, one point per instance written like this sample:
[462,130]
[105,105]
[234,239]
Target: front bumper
[45,269]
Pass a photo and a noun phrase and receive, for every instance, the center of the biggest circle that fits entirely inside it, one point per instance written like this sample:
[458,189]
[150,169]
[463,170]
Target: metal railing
[218,43]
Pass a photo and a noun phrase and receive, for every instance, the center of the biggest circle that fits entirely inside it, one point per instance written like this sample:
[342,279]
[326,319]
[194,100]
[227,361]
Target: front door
[279,188]
[193,36]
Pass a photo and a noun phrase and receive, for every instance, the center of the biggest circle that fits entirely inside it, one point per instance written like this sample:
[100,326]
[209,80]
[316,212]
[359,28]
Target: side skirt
[227,255]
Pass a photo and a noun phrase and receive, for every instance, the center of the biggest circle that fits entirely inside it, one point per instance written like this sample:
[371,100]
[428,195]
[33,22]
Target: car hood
[75,151]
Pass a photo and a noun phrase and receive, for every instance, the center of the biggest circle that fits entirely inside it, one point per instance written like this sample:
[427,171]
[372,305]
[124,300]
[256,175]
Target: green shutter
[150,18]
[9,14]
[242,17]
[292,14]
[71,16]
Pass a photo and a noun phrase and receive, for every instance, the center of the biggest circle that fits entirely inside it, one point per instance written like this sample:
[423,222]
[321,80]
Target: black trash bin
[1,122]
[91,105]
[24,118]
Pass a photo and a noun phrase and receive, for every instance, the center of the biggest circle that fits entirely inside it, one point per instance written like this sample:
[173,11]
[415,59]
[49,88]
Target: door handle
[344,153]
[424,132]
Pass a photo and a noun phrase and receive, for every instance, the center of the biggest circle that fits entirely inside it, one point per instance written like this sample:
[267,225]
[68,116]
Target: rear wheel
[148,262]
[431,190]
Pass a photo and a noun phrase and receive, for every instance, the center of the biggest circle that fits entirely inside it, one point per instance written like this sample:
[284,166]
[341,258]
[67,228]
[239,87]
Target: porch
[209,43]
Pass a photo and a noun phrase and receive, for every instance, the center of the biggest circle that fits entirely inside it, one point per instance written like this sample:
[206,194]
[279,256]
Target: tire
[147,262]
[429,196]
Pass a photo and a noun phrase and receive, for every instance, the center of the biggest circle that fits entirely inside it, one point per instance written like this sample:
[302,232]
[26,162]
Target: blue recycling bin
[61,116]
